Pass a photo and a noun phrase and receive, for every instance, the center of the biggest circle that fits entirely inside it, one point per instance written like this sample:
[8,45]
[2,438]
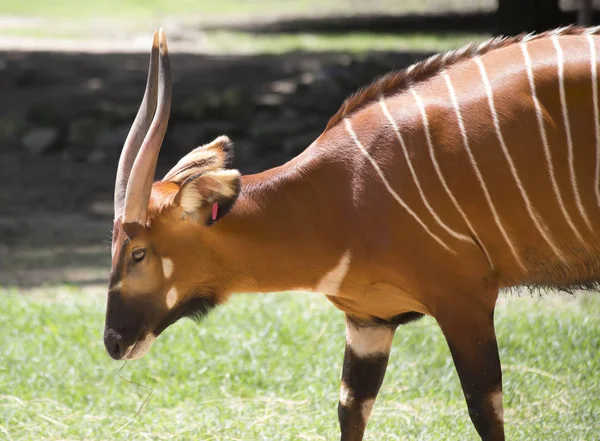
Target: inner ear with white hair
[216,155]
[209,196]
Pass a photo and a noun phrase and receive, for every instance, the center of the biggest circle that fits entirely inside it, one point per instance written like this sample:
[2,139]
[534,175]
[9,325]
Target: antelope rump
[429,191]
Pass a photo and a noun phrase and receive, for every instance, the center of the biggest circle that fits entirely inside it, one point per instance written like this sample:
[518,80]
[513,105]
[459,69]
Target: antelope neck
[269,236]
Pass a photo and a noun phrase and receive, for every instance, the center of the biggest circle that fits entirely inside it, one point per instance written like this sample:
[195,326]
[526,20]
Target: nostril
[112,342]
[114,351]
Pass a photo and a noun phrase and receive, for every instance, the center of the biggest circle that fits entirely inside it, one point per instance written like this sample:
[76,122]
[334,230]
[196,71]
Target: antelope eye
[138,255]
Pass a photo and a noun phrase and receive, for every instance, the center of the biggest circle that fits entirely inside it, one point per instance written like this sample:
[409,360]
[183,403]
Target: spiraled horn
[138,131]
[140,180]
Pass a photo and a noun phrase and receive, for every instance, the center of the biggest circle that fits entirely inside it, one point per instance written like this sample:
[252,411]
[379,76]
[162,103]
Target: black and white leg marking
[365,360]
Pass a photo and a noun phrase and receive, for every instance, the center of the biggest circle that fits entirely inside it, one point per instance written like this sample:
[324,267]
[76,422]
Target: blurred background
[269,74]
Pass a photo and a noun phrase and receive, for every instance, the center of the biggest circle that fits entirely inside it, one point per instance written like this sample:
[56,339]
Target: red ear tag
[215,211]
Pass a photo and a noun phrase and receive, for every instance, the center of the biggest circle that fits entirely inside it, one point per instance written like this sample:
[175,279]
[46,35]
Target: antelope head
[163,267]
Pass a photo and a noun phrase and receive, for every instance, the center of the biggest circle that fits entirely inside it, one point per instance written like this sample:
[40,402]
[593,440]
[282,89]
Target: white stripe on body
[415,178]
[441,177]
[593,61]
[513,169]
[473,162]
[542,129]
[330,283]
[395,195]
[567,124]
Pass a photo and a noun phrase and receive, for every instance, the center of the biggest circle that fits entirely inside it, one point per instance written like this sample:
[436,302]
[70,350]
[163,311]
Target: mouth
[139,348]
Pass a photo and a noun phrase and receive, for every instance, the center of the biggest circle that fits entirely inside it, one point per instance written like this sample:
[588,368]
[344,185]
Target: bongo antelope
[429,191]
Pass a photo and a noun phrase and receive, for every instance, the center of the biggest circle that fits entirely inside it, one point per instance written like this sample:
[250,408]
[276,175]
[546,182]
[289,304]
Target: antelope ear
[199,194]
[217,155]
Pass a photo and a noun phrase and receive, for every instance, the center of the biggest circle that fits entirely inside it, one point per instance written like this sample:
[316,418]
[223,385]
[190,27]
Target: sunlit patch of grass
[229,42]
[116,19]
[239,42]
[42,32]
[268,367]
[153,8]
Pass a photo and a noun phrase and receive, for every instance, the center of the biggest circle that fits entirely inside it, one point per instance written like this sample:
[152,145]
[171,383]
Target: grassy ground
[118,20]
[356,42]
[266,368]
[232,42]
[227,8]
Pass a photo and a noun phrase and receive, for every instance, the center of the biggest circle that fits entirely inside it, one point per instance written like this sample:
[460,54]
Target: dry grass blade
[137,412]
[4,431]
[53,421]
[534,371]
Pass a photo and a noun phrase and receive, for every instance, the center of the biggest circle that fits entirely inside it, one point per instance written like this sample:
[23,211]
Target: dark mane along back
[397,81]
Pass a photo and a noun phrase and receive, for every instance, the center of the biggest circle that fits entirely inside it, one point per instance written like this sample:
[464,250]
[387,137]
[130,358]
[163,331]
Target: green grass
[229,42]
[152,8]
[80,20]
[149,8]
[239,42]
[268,367]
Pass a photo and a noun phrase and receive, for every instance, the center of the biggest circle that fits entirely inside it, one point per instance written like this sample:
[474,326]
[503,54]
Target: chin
[141,347]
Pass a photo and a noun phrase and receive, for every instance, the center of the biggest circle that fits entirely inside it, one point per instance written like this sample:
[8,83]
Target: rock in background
[80,106]
[64,116]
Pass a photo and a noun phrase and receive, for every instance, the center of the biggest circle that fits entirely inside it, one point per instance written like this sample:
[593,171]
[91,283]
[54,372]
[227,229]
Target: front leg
[365,360]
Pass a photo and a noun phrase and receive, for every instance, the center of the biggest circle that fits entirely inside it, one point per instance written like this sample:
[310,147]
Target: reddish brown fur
[291,225]
[394,82]
[162,197]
